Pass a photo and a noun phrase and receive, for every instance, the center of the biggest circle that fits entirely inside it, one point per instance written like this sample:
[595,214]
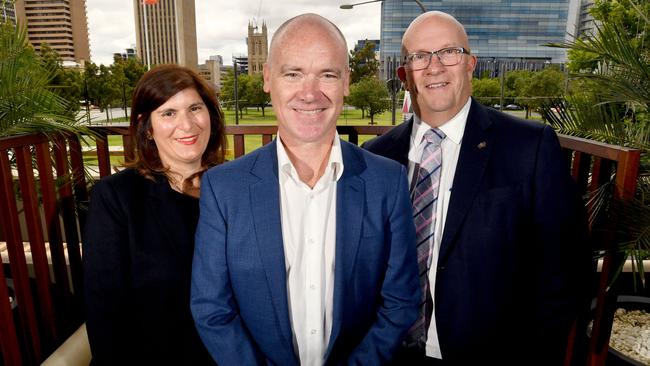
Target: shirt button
[312,287]
[311,196]
[311,240]
[313,331]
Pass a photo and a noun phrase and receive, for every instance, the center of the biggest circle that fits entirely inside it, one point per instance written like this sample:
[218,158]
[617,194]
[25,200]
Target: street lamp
[350,6]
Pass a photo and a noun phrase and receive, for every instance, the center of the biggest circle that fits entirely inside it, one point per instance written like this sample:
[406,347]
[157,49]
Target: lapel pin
[481,145]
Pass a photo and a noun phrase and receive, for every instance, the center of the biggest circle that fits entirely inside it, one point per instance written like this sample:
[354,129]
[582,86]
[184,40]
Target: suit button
[440,269]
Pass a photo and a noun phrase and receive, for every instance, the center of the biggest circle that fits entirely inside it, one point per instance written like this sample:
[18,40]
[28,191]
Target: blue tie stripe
[425,207]
[424,240]
[428,175]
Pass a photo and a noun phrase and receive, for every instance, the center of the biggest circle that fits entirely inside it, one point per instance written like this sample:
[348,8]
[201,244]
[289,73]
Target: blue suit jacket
[239,286]
[513,256]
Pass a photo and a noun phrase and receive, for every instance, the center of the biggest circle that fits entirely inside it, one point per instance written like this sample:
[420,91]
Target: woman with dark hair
[139,236]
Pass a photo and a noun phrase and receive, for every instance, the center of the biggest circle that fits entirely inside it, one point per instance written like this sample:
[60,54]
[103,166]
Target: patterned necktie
[425,197]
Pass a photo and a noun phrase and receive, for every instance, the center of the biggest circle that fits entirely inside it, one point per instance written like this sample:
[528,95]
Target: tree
[228,90]
[486,91]
[363,63]
[540,87]
[102,87]
[370,94]
[65,82]
[630,23]
[125,75]
[256,94]
[27,103]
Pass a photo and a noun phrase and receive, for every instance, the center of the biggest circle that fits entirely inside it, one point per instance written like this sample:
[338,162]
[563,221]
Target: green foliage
[530,89]
[369,94]
[228,89]
[65,82]
[363,63]
[27,103]
[256,94]
[611,104]
[629,18]
[487,91]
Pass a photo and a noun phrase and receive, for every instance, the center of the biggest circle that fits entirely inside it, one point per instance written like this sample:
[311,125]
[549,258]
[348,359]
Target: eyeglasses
[449,56]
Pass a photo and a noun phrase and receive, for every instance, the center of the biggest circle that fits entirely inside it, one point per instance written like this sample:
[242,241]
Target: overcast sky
[221,25]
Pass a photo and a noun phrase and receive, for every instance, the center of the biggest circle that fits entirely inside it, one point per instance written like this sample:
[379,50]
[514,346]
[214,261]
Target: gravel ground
[631,334]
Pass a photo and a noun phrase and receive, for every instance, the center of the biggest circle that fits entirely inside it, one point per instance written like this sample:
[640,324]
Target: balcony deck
[45,178]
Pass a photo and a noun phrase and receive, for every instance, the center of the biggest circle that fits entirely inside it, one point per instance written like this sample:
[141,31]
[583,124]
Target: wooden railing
[46,177]
[44,268]
[594,164]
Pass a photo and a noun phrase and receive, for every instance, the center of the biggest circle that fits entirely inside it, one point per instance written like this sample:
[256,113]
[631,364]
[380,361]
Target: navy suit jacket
[513,255]
[239,286]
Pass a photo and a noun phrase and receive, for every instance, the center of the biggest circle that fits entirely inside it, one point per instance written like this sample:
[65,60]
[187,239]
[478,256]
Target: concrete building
[7,13]
[586,24]
[62,24]
[511,33]
[361,43]
[166,32]
[258,48]
[127,54]
[242,64]
[211,71]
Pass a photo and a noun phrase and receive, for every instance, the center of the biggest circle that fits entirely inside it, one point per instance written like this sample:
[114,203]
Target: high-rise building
[258,48]
[501,31]
[62,24]
[7,13]
[586,24]
[166,32]
[211,71]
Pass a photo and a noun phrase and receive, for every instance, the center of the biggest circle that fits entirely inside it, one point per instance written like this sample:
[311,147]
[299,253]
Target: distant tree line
[101,86]
[528,89]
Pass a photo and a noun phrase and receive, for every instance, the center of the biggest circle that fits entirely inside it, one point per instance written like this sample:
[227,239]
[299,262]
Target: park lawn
[252,116]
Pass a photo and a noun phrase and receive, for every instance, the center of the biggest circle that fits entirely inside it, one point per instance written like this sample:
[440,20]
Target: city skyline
[108,36]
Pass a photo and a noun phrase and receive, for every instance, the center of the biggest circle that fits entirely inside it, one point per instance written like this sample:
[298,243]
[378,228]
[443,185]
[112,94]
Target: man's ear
[401,73]
[265,73]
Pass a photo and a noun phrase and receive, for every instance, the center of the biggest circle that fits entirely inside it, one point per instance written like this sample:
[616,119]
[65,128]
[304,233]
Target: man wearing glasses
[500,228]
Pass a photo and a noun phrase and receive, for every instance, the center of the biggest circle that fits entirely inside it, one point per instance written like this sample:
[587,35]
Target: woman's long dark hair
[155,88]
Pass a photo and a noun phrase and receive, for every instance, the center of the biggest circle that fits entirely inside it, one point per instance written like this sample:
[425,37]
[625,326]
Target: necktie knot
[434,136]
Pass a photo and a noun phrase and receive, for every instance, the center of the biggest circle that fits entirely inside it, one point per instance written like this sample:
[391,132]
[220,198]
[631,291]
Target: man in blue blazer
[509,255]
[305,247]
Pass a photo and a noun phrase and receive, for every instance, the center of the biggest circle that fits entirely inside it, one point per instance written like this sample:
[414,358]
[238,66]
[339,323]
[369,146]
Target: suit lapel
[398,146]
[265,204]
[474,153]
[350,205]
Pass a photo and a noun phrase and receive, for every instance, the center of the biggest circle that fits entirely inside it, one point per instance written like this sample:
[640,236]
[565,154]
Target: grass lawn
[252,116]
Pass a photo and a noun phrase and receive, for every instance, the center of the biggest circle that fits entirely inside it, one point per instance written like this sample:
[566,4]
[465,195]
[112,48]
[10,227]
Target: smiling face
[181,129]
[438,92]
[307,76]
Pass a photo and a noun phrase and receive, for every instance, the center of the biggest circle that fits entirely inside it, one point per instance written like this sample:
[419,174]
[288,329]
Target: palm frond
[27,104]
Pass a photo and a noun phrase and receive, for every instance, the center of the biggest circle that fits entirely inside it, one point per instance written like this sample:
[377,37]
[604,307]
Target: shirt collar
[335,162]
[453,129]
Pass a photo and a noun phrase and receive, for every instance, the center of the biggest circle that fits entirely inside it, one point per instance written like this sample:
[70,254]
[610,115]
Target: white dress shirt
[450,146]
[309,236]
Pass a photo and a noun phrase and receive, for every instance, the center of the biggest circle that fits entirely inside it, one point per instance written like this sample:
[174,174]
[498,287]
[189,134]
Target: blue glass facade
[500,31]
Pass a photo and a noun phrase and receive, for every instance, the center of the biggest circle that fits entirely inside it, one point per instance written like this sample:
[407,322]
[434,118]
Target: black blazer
[513,258]
[137,256]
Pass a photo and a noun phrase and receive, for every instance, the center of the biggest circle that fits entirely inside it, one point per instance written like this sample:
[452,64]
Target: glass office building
[510,32]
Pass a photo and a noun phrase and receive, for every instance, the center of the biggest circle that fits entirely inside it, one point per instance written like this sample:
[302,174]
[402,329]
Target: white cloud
[222,25]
